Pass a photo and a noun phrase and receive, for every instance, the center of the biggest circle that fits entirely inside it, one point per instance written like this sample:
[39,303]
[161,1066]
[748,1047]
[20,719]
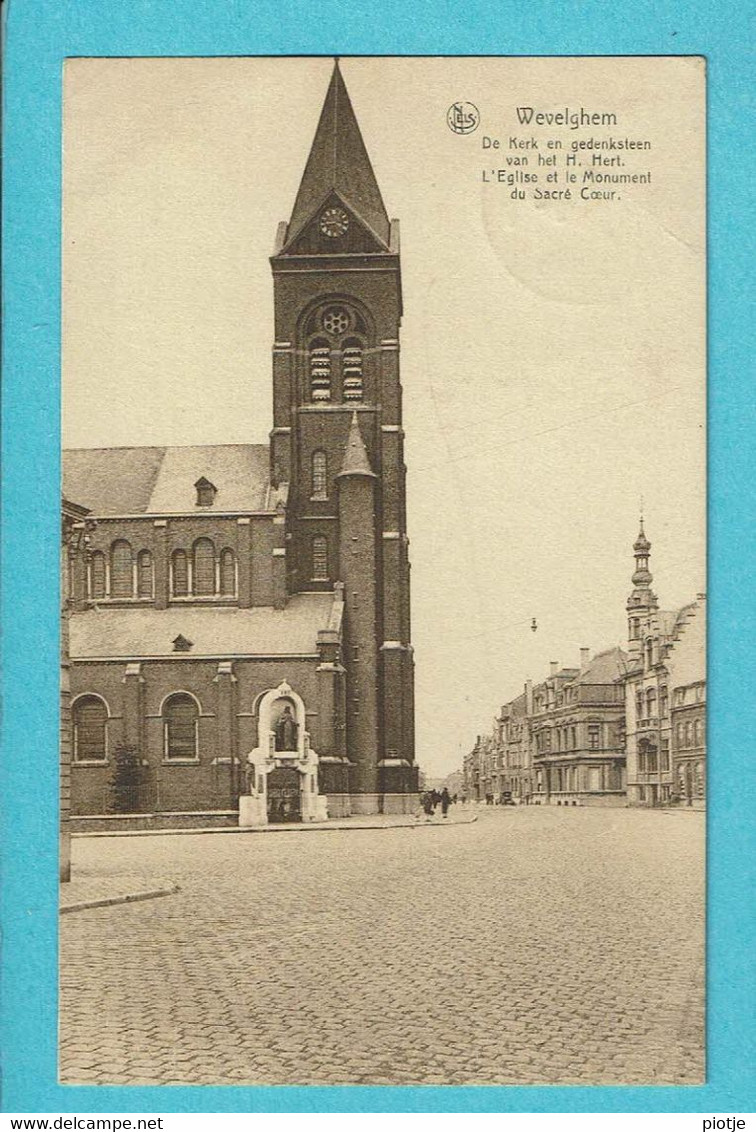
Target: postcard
[383,722]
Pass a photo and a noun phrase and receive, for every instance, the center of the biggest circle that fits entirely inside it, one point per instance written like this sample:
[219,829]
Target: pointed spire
[356,459]
[641,544]
[339,162]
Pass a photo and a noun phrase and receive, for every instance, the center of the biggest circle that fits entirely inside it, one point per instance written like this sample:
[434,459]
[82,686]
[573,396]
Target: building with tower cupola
[241,621]
[666,654]
[624,727]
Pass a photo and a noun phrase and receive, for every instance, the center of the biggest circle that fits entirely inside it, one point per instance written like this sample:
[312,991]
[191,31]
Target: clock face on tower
[334,222]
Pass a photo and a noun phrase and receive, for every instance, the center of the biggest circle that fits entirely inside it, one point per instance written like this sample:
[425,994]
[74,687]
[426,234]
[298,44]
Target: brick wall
[226,728]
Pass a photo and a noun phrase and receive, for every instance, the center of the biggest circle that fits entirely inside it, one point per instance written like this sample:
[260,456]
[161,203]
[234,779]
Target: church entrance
[284,795]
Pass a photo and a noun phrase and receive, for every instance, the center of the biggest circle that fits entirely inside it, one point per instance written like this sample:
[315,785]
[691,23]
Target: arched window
[698,732]
[121,569]
[203,583]
[179,574]
[319,475]
[651,701]
[227,573]
[320,559]
[320,370]
[635,628]
[699,779]
[663,702]
[639,704]
[144,574]
[351,369]
[688,734]
[97,575]
[649,652]
[90,739]
[679,733]
[181,727]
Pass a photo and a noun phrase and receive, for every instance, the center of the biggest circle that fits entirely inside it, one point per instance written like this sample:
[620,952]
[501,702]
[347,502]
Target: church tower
[337,440]
[642,601]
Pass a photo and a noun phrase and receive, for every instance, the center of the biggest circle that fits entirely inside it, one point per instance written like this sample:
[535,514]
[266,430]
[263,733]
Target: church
[240,614]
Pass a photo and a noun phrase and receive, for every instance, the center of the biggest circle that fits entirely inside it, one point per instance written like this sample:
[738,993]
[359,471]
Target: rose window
[336,321]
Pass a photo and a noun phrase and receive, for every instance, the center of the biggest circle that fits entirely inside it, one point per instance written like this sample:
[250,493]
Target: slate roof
[515,707]
[339,162]
[160,481]
[129,633]
[604,668]
[356,459]
[518,705]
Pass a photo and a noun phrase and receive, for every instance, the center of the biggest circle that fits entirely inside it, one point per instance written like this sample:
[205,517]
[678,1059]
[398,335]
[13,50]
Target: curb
[299,827]
[108,901]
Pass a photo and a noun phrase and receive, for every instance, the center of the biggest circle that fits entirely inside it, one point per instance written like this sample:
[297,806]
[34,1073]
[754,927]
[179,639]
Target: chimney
[585,657]
[528,697]
[554,666]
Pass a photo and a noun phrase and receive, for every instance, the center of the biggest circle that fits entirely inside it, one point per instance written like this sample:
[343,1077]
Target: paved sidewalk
[94,891]
[462,816]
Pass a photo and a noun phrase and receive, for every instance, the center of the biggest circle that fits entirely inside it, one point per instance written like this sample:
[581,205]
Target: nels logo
[463,117]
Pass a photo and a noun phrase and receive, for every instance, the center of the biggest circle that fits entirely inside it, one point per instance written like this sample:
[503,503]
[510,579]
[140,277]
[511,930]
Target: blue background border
[39,35]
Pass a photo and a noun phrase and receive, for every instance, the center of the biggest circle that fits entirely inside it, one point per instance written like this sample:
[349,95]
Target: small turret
[356,459]
[358,550]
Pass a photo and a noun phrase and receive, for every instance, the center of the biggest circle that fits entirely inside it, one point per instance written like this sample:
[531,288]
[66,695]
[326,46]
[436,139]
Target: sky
[552,353]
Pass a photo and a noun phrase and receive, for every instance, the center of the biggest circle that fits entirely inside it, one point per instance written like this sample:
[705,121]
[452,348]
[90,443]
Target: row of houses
[626,726]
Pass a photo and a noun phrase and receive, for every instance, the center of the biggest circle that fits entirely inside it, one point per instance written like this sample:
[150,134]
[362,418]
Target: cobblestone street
[538,945]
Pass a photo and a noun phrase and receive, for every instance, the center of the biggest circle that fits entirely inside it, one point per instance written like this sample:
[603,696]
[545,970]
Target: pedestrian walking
[445,799]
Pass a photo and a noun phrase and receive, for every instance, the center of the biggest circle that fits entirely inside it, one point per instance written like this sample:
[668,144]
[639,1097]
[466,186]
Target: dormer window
[206,492]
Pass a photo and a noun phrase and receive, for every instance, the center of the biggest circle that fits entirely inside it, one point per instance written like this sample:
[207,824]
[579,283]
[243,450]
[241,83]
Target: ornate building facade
[667,663]
[230,588]
[626,727]
[577,727]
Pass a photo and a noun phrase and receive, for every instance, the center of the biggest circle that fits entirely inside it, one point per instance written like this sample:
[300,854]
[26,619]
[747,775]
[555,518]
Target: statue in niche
[286,731]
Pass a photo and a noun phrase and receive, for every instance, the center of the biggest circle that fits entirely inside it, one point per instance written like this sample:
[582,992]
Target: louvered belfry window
[180,574]
[180,714]
[90,717]
[144,574]
[97,575]
[319,475]
[227,573]
[351,369]
[204,567]
[121,569]
[320,559]
[320,370]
